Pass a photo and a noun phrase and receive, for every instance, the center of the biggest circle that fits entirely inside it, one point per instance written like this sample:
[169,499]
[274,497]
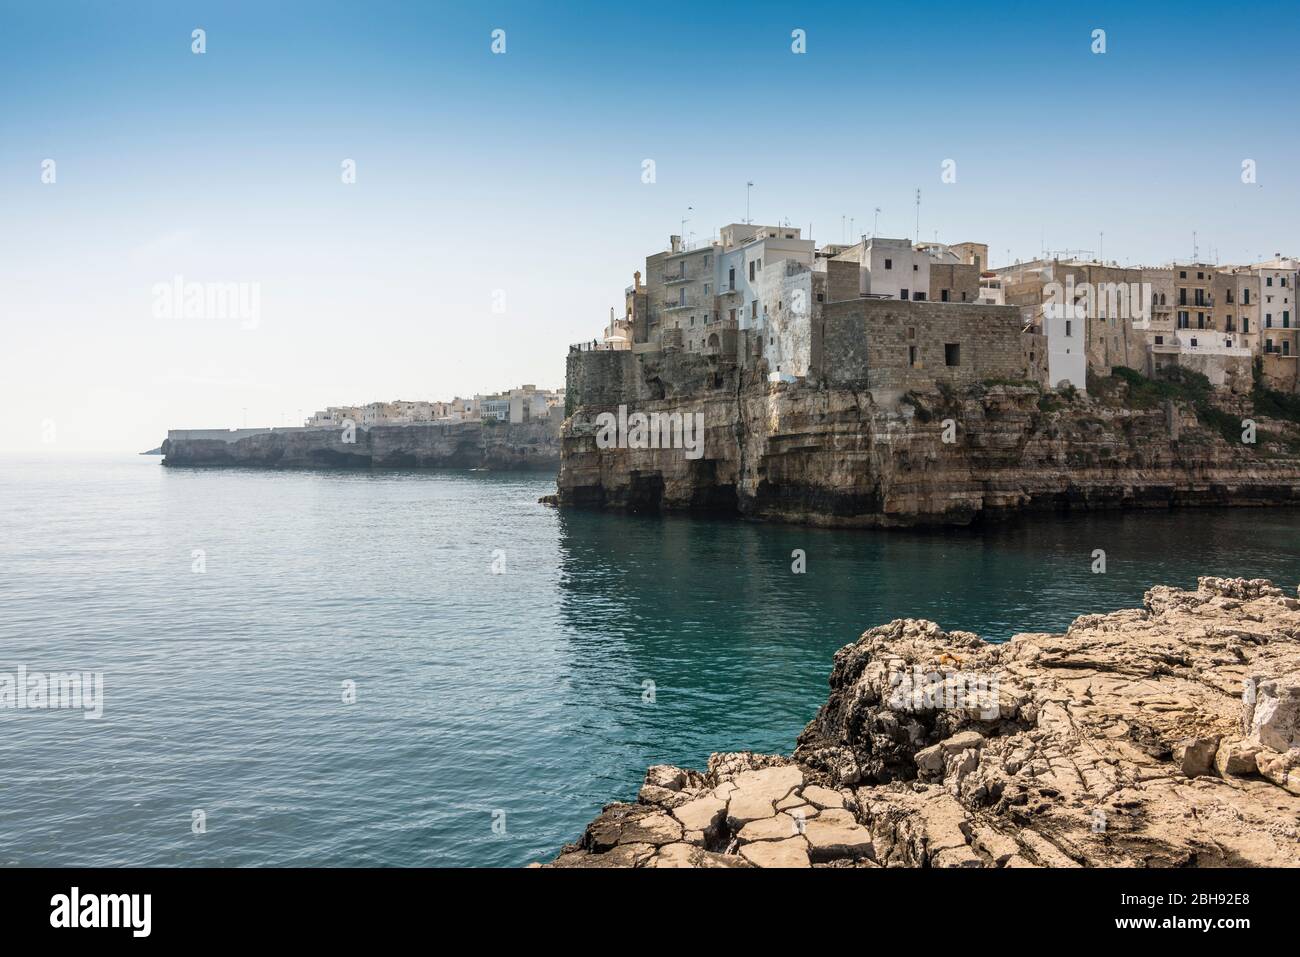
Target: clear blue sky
[522,172]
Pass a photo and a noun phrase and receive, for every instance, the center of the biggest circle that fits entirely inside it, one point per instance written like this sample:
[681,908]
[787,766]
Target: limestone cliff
[1162,736]
[837,456]
[455,445]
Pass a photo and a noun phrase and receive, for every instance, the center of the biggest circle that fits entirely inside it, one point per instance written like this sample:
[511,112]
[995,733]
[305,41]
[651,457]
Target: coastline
[1162,736]
[531,446]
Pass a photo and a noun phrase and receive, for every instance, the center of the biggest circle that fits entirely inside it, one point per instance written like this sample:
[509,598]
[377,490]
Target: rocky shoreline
[1164,736]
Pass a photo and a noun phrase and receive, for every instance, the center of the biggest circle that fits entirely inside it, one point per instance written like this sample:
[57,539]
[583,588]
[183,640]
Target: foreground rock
[1164,736]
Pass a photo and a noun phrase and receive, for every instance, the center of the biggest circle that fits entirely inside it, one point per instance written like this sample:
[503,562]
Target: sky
[499,205]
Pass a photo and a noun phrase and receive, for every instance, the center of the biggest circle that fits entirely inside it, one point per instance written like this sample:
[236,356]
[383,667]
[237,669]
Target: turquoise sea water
[522,692]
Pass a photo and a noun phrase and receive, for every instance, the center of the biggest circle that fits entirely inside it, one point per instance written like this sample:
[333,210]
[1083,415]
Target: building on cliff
[756,299]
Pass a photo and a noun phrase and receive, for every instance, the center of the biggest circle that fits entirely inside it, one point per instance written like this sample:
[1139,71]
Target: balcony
[673,280]
[679,306]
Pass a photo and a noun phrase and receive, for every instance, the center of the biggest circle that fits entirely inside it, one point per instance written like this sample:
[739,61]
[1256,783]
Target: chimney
[675,243]
[636,281]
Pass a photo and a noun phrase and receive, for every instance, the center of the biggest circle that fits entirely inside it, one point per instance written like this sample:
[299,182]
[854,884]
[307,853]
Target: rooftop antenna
[748,186]
[1101,248]
[686,220]
[1196,250]
[843,234]
[918,216]
[874,222]
[850,225]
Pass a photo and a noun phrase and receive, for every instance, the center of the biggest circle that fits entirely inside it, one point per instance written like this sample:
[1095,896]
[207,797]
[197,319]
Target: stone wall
[869,343]
[1280,373]
[842,280]
[1233,373]
[959,280]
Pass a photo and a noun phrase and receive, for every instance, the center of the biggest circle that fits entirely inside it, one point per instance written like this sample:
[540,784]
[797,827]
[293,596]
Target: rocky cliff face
[456,445]
[842,457]
[1162,736]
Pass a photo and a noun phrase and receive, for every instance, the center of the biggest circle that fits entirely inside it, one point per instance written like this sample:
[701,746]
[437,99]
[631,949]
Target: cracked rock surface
[1164,736]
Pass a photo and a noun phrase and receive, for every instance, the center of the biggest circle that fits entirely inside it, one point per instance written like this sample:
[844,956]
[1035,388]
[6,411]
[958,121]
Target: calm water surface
[477,693]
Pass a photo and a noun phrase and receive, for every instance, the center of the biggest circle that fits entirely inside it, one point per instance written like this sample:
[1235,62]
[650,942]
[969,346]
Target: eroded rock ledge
[1162,736]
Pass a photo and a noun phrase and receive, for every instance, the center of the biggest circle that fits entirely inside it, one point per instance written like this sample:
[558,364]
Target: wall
[865,343]
[962,282]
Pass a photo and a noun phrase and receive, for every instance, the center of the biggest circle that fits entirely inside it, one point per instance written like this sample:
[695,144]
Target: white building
[891,268]
[745,250]
[1067,350]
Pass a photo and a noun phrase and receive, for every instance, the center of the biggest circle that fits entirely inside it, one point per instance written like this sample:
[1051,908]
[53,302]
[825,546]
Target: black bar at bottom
[373,905]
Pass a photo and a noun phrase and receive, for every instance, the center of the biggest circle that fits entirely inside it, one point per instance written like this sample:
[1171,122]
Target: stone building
[896,345]
[1114,299]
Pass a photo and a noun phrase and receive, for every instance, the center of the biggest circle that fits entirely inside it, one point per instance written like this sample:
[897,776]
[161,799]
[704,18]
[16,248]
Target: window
[952,354]
[731,278]
[889,264]
[943,295]
[1200,275]
[918,296]
[1182,274]
[1245,297]
[1286,318]
[963,296]
[902,294]
[751,270]
[911,332]
[1200,320]
[1228,342]
[1245,324]
[1228,296]
[1069,328]
[1193,342]
[911,356]
[1268,281]
[1268,320]
[1268,345]
[753,309]
[1286,347]
[915,267]
[821,297]
[1160,340]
